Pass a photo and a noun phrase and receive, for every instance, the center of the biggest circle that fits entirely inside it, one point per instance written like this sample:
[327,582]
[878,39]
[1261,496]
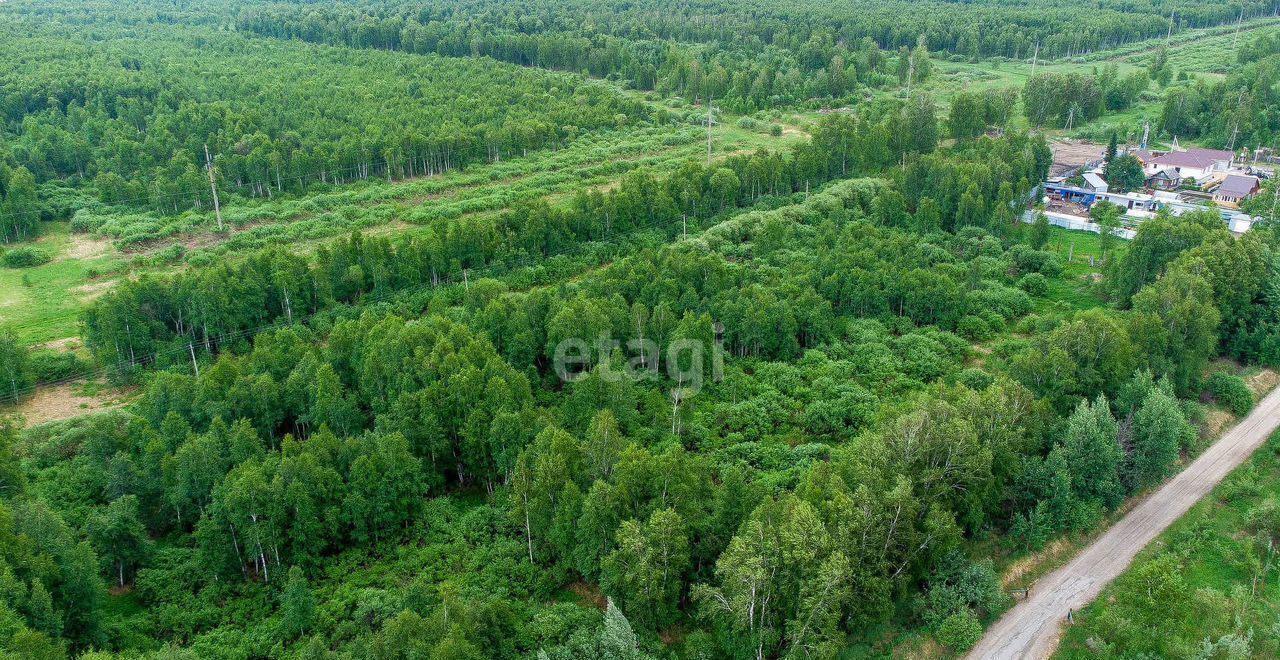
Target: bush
[1031,260]
[973,328]
[1006,301]
[975,379]
[1034,284]
[960,631]
[775,130]
[25,257]
[83,224]
[1231,393]
[49,366]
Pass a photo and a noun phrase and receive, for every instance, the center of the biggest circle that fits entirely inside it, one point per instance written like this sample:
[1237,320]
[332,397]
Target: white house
[1190,164]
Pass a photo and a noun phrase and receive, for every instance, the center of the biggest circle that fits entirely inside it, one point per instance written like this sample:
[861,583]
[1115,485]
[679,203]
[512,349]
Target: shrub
[975,379]
[26,257]
[83,224]
[1006,301]
[1031,260]
[973,328]
[960,631]
[775,130]
[171,254]
[1034,284]
[1230,392]
[49,366]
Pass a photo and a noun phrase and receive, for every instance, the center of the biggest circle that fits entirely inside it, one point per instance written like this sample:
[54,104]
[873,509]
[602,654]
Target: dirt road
[1031,628]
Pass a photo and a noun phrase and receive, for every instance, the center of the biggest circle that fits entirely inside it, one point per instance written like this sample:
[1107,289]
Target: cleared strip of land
[1031,628]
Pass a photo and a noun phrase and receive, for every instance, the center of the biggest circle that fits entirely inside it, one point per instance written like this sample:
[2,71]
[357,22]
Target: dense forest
[846,430]
[787,401]
[135,117]
[120,114]
[633,40]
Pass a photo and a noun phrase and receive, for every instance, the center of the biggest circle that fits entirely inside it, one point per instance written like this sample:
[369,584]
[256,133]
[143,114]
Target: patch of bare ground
[91,291]
[1262,382]
[197,239]
[83,246]
[64,344]
[52,403]
[589,593]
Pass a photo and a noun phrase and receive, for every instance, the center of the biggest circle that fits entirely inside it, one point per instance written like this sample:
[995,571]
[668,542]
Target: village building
[1164,179]
[1132,201]
[1094,183]
[1194,164]
[1236,188]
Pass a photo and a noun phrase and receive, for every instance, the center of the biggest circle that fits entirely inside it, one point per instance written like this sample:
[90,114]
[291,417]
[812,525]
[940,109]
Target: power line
[319,174]
[31,324]
[213,184]
[228,187]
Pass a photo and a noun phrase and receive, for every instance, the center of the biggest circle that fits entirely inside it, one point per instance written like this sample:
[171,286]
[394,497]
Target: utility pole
[1236,37]
[1275,191]
[911,71]
[213,185]
[194,365]
[1235,129]
[1035,56]
[709,110]
[1170,34]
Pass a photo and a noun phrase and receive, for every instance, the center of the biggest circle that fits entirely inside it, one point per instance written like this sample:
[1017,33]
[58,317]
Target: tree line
[641,42]
[1237,111]
[132,116]
[161,315]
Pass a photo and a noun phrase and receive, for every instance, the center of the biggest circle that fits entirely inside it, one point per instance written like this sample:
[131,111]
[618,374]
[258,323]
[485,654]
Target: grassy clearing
[85,265]
[51,403]
[594,162]
[43,303]
[1209,51]
[1082,255]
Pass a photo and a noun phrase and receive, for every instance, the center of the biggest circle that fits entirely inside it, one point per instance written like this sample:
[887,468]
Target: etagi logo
[686,361]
